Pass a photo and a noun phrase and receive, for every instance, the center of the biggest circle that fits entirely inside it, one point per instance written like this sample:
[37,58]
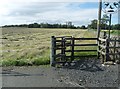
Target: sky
[80,12]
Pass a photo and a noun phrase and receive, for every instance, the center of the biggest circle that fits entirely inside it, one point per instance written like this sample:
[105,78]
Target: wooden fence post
[114,56]
[72,51]
[98,49]
[53,51]
[63,49]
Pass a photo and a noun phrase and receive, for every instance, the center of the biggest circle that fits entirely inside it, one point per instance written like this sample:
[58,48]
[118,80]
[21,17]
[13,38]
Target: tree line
[104,25]
[47,25]
[93,25]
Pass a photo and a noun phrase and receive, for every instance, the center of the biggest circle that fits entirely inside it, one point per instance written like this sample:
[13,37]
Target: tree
[35,25]
[93,24]
[105,19]
[116,27]
[83,27]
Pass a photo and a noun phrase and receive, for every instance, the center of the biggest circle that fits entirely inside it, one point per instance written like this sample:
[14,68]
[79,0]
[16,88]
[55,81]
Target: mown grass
[113,32]
[31,46]
[116,32]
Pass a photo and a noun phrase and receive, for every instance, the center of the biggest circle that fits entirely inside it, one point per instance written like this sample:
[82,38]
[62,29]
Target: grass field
[113,32]
[31,46]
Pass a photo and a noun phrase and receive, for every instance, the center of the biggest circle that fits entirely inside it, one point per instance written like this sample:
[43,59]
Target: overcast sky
[80,12]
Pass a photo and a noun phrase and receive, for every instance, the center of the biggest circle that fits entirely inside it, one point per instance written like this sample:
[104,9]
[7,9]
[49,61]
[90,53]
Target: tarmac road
[82,75]
[32,77]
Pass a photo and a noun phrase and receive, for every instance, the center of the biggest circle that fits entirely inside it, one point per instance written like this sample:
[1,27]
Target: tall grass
[31,46]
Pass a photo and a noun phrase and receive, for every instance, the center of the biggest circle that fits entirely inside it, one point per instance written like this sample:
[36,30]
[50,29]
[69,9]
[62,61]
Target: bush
[41,61]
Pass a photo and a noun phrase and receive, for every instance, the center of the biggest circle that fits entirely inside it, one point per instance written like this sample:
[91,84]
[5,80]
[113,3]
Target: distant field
[31,46]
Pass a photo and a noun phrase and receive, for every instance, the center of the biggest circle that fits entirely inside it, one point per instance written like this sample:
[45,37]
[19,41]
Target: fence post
[63,49]
[104,56]
[72,51]
[53,51]
[98,49]
[100,52]
[114,56]
[107,50]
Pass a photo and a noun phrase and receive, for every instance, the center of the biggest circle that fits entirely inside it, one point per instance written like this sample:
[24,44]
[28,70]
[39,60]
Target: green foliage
[83,27]
[8,63]
[116,26]
[104,23]
[116,32]
[93,24]
[43,25]
[24,62]
[41,61]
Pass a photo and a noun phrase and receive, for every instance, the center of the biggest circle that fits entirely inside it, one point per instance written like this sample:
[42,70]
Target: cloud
[18,12]
[77,17]
[51,11]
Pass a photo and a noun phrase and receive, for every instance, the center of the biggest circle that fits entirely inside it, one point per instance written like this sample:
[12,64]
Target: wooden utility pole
[99,19]
[109,26]
[99,26]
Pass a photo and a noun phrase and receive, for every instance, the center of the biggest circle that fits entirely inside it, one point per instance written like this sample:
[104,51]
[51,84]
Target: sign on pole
[110,6]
